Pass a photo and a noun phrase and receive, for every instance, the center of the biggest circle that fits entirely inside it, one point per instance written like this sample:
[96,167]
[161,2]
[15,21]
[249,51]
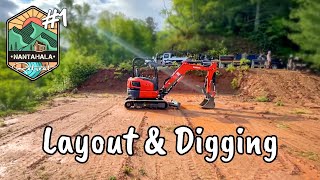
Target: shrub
[218,50]
[78,68]
[127,170]
[16,95]
[126,65]
[111,66]
[175,65]
[244,61]
[218,73]
[231,68]
[234,83]
[81,71]
[244,65]
[244,68]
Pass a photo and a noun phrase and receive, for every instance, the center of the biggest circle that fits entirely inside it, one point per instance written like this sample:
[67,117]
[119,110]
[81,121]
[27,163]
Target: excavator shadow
[238,116]
[222,115]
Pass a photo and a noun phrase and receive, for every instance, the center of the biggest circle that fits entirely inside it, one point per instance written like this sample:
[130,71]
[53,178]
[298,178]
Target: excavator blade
[174,104]
[208,103]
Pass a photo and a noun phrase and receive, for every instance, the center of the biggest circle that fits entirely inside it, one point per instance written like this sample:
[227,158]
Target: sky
[140,9]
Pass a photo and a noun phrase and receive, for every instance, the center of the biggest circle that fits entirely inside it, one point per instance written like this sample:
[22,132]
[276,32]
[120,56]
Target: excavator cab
[144,81]
[146,70]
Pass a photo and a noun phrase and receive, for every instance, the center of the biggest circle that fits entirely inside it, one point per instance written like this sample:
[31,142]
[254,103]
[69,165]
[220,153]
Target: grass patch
[2,123]
[282,125]
[127,170]
[112,178]
[11,112]
[169,129]
[309,155]
[299,111]
[279,103]
[142,172]
[262,99]
[42,174]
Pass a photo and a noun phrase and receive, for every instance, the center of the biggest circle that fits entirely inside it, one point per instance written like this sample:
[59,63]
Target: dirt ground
[102,113]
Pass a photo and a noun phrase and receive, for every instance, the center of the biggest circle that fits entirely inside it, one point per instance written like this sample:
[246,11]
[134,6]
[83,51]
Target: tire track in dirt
[251,130]
[127,160]
[172,166]
[284,163]
[217,170]
[33,129]
[236,122]
[285,158]
[20,124]
[92,121]
[23,153]
[101,166]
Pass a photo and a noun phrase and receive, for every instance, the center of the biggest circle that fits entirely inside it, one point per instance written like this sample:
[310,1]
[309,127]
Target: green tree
[306,29]
[242,24]
[124,38]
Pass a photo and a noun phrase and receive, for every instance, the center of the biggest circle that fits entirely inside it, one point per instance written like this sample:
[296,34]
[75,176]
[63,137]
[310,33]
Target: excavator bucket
[208,103]
[204,102]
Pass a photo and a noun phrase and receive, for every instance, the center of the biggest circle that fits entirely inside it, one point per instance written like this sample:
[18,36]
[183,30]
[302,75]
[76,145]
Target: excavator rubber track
[149,104]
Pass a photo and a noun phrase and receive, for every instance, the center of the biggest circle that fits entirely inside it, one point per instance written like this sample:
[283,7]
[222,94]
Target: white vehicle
[169,58]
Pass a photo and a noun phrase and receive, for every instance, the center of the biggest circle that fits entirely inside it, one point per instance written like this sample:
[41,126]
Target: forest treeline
[286,27]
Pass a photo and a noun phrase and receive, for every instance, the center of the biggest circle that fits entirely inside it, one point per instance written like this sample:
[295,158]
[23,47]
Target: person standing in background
[268,62]
[261,60]
[244,55]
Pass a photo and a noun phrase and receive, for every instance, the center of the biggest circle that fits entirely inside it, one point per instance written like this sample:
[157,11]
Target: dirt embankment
[276,85]
[282,85]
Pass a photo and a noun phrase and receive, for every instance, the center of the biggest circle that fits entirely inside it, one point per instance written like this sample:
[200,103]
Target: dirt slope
[287,86]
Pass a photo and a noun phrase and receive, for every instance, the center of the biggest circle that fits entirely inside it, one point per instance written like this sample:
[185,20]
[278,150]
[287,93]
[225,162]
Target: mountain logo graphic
[32,50]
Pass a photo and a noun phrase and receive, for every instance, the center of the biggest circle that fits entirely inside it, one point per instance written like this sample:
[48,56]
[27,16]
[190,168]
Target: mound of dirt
[277,85]
[106,80]
[282,85]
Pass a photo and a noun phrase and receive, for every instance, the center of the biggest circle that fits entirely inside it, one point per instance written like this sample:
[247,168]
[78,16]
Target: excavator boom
[209,85]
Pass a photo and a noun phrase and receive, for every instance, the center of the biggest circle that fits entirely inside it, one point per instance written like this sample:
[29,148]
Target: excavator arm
[209,85]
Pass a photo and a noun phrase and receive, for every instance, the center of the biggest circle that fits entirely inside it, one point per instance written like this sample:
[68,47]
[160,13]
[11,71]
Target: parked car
[296,63]
[277,63]
[169,58]
[258,61]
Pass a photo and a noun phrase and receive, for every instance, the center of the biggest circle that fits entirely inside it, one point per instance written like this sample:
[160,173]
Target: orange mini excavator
[144,92]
